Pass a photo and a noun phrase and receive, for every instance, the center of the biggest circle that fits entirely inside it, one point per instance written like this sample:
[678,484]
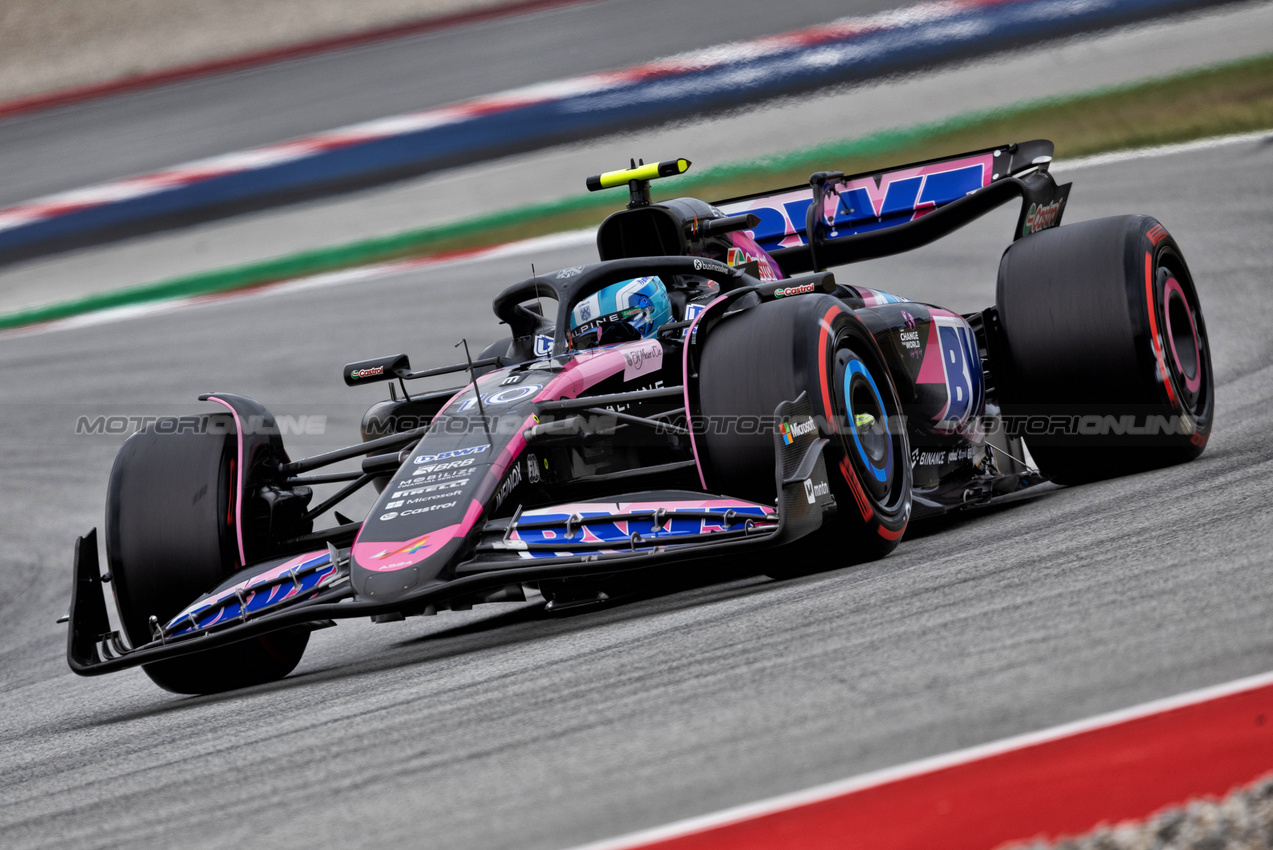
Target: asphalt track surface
[503,727]
[138,132]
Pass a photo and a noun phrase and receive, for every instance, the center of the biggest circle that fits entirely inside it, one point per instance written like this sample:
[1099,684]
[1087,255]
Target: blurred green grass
[1232,98]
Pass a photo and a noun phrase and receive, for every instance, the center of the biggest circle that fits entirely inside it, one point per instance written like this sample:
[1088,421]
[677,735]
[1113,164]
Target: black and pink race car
[704,394]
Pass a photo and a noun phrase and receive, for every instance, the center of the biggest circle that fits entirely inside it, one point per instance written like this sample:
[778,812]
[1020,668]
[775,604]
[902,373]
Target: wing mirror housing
[389,368]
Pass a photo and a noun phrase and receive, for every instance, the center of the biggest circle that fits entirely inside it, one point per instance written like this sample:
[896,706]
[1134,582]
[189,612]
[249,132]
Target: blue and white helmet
[628,310]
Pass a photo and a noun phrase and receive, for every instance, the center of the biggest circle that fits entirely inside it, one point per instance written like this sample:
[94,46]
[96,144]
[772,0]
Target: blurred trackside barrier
[524,119]
[253,59]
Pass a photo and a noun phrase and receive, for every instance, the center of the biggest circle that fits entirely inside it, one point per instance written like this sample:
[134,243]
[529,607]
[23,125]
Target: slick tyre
[1100,353]
[170,538]
[815,345]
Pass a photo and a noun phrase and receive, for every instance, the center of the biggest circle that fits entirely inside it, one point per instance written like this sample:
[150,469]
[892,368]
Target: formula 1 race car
[706,390]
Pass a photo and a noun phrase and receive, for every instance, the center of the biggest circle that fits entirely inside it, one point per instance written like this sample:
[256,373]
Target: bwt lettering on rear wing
[840,218]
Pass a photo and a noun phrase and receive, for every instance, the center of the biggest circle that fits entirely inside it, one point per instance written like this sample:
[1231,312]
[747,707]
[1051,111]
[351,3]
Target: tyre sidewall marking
[1155,336]
[824,383]
[824,358]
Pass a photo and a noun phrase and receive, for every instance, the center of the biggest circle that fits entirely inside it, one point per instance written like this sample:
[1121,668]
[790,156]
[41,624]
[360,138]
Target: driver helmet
[627,310]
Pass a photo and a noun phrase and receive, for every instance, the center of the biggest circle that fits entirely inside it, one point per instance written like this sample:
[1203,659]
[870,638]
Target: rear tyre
[170,537]
[1101,354]
[774,352]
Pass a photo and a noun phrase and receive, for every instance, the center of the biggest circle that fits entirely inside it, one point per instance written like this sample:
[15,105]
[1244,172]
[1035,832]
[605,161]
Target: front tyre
[815,345]
[170,537]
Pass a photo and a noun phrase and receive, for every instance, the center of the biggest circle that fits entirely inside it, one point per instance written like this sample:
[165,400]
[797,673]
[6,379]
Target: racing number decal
[951,358]
[504,396]
[954,356]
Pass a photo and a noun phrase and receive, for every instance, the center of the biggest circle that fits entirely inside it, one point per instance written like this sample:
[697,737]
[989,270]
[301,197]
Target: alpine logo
[783,292]
[792,430]
[471,450]
[1041,218]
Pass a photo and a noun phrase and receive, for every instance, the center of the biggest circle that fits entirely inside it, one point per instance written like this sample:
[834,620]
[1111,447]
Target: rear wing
[839,219]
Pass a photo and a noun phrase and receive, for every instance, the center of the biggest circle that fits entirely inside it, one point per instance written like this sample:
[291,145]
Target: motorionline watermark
[1091,425]
[314,425]
[1068,424]
[1028,425]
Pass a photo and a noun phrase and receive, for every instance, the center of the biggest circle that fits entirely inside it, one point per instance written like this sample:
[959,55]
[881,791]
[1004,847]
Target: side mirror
[377,369]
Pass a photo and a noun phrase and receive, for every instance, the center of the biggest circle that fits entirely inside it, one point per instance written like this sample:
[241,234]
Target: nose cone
[383,570]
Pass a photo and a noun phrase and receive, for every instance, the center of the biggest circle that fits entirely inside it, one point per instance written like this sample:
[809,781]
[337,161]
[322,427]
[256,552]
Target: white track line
[842,787]
[1163,150]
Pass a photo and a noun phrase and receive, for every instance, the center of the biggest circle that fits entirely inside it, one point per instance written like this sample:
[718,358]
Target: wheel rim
[1182,335]
[868,428]
[867,421]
